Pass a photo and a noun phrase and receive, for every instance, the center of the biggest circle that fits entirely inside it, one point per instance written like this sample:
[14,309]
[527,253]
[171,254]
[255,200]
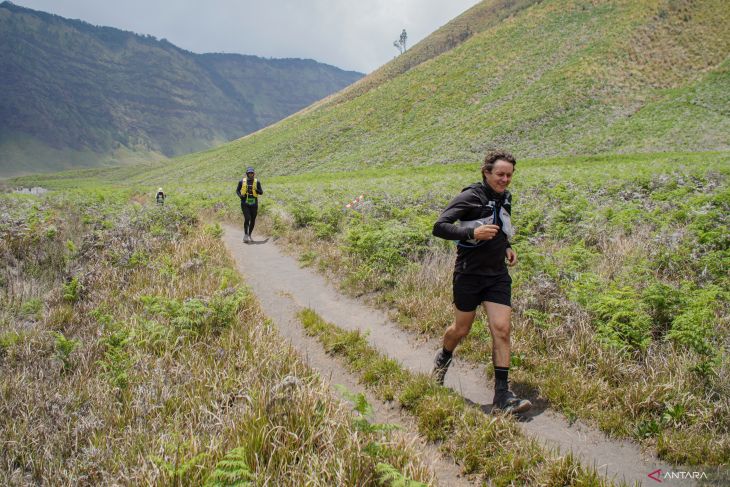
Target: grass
[492,447]
[555,78]
[159,368]
[620,296]
[621,274]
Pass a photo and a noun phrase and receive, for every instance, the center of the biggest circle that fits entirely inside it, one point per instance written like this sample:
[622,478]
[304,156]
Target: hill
[75,94]
[555,78]
[620,296]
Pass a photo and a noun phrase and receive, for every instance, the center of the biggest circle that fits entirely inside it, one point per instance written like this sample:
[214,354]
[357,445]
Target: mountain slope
[560,77]
[74,94]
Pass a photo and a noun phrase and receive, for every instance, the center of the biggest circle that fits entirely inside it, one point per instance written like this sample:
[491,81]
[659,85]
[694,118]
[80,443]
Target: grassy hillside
[560,77]
[479,18]
[621,293]
[75,94]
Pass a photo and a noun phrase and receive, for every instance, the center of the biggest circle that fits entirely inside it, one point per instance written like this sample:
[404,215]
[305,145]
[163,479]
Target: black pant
[249,217]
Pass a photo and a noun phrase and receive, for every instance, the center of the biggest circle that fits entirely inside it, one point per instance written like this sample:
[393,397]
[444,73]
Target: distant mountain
[75,95]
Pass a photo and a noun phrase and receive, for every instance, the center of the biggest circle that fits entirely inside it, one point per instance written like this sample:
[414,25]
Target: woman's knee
[460,330]
[501,329]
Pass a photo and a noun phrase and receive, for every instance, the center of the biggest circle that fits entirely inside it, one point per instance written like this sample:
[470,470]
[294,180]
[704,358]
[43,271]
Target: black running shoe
[506,401]
[440,365]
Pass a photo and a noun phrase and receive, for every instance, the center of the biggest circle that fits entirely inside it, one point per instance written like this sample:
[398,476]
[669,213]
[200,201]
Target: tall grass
[131,352]
[620,296]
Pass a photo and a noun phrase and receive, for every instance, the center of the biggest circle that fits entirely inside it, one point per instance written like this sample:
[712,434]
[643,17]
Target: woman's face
[501,175]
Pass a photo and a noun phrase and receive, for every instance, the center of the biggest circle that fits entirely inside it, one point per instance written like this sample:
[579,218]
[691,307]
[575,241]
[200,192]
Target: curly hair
[494,156]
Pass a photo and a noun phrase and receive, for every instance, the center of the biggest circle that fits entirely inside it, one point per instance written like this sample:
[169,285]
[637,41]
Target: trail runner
[484,228]
[249,190]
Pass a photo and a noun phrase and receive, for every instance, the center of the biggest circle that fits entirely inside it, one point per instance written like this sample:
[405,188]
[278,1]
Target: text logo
[656,475]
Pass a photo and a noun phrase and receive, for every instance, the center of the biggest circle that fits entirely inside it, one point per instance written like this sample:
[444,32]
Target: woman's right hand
[486,232]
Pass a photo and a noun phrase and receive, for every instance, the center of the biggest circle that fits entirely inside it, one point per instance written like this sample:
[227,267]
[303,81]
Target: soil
[283,288]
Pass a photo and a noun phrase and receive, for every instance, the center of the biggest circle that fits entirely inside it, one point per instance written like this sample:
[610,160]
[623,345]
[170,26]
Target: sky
[350,34]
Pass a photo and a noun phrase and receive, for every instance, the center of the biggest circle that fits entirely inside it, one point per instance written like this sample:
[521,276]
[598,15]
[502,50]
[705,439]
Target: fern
[362,406]
[72,290]
[178,469]
[389,476]
[231,471]
[64,347]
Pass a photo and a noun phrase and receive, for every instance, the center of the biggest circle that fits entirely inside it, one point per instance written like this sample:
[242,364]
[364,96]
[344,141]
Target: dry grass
[490,446]
[159,366]
[653,396]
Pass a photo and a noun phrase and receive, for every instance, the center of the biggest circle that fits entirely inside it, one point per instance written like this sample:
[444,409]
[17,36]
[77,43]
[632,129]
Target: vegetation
[493,447]
[158,369]
[77,95]
[620,295]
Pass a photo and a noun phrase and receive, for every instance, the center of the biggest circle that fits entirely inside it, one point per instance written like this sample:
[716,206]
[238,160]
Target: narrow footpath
[283,288]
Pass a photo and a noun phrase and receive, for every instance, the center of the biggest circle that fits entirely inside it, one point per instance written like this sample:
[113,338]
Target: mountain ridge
[79,93]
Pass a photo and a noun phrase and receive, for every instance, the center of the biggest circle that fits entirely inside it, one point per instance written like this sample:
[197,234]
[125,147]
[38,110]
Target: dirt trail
[283,288]
[265,279]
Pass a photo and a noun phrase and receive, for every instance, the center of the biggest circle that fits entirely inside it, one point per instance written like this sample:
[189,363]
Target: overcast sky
[350,34]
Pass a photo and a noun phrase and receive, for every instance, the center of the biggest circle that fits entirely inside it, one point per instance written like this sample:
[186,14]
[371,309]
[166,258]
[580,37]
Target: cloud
[350,34]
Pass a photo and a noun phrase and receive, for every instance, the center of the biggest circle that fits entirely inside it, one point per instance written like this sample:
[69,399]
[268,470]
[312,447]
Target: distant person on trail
[160,198]
[480,274]
[249,190]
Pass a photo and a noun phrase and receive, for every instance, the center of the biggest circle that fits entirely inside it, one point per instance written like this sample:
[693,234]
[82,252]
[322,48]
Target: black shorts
[471,290]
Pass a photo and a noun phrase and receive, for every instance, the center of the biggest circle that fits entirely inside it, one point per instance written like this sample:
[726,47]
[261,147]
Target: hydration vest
[250,196]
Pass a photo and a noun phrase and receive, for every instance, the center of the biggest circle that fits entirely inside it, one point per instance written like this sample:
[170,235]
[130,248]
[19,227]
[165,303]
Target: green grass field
[618,113]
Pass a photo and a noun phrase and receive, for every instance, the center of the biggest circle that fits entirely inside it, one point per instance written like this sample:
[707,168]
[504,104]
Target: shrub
[385,245]
[214,230]
[622,321]
[116,362]
[662,303]
[139,258]
[304,214]
[196,316]
[693,327]
[72,290]
[328,222]
[31,307]
[64,347]
[7,341]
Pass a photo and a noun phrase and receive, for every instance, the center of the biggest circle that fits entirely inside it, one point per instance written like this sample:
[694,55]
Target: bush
[196,316]
[64,347]
[116,362]
[72,290]
[622,320]
[304,214]
[662,303]
[328,222]
[214,230]
[386,246]
[693,327]
[31,307]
